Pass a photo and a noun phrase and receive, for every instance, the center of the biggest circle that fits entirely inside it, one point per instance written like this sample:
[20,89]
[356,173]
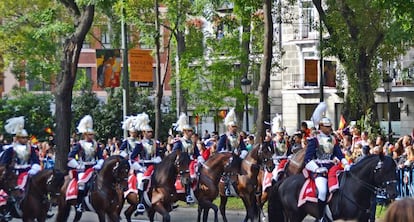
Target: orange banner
[141,69]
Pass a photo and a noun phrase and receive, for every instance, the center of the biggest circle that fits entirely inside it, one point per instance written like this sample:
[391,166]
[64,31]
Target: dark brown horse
[260,157]
[162,191]
[8,183]
[103,195]
[40,190]
[209,176]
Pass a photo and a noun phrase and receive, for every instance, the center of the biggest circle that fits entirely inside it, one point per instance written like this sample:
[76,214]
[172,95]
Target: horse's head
[54,183]
[120,172]
[181,163]
[377,173]
[8,178]
[115,170]
[265,154]
[385,176]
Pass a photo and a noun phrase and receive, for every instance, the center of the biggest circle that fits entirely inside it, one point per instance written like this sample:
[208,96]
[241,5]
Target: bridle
[117,170]
[264,159]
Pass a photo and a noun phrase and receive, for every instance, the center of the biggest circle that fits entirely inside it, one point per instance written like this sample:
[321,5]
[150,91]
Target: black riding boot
[189,199]
[79,201]
[141,206]
[227,185]
[321,210]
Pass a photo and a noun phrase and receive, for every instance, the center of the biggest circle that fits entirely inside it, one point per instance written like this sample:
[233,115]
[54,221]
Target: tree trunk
[66,79]
[159,83]
[264,82]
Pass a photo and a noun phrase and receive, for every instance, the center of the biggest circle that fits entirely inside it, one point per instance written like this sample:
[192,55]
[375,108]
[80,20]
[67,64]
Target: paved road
[181,214]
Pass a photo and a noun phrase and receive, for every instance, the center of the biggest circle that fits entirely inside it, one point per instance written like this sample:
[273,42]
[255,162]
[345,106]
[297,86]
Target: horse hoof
[50,215]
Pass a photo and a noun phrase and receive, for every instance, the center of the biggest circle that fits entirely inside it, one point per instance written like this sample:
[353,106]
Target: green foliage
[34,107]
[366,123]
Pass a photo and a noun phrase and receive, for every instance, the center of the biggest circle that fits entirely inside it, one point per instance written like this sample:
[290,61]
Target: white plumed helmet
[182,123]
[277,125]
[15,126]
[318,113]
[86,125]
[142,121]
[130,123]
[230,119]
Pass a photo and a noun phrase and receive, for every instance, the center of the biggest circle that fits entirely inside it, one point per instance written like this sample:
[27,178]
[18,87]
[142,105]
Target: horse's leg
[63,210]
[151,214]
[223,202]
[132,199]
[161,210]
[199,211]
[78,216]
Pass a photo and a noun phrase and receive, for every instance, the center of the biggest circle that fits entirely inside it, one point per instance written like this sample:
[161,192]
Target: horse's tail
[275,207]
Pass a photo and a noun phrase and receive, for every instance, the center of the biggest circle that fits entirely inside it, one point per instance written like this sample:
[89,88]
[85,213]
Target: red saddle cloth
[267,180]
[72,190]
[3,197]
[132,185]
[22,180]
[309,190]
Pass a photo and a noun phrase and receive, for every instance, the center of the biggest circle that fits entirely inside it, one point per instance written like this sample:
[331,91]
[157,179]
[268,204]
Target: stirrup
[141,208]
[189,199]
[227,192]
[79,208]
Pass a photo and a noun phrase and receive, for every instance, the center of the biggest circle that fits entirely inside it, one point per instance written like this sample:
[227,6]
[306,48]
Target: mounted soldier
[85,157]
[144,156]
[20,152]
[185,144]
[231,141]
[129,143]
[322,153]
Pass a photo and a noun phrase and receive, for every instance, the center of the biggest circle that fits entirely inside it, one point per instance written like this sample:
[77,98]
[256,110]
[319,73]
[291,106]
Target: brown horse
[209,176]
[103,195]
[162,191]
[247,180]
[40,189]
[294,165]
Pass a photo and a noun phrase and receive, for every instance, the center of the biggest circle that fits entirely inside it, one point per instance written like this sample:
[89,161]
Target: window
[307,18]
[106,39]
[311,72]
[329,73]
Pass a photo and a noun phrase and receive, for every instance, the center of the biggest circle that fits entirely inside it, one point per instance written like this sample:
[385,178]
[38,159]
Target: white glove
[124,154]
[157,159]
[347,167]
[98,165]
[73,164]
[200,159]
[243,154]
[312,166]
[138,167]
[35,169]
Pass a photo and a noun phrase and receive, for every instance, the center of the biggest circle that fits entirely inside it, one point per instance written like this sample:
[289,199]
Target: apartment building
[295,90]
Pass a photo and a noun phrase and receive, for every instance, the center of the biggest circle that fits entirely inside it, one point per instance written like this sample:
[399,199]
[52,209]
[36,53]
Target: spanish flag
[342,123]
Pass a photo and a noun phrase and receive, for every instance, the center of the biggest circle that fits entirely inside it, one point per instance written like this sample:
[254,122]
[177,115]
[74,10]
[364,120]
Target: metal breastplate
[326,147]
[233,142]
[280,147]
[89,148]
[187,146]
[131,144]
[149,147]
[22,152]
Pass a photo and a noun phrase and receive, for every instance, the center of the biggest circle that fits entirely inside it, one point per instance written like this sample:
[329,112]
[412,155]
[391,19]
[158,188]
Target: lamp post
[388,89]
[245,85]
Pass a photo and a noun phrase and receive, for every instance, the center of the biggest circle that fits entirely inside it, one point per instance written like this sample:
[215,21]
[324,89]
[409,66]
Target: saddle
[309,193]
[72,189]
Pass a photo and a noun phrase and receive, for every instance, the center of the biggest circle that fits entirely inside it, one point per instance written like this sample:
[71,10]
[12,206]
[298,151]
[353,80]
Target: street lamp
[388,89]
[245,85]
